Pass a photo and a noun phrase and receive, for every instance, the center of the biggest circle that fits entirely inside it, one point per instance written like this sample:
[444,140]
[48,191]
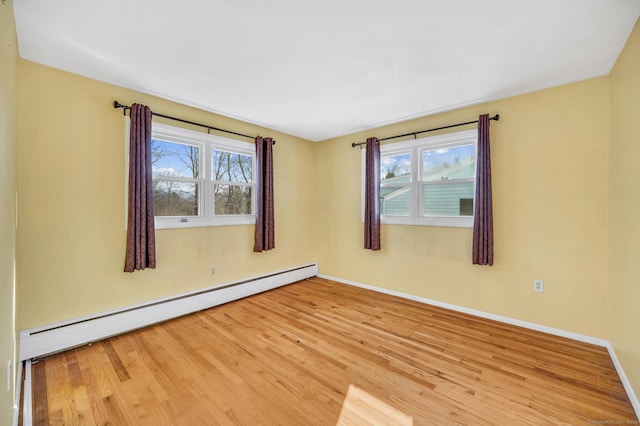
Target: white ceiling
[320,69]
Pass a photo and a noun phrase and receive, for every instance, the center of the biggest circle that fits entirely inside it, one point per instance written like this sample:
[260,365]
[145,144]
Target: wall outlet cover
[538,285]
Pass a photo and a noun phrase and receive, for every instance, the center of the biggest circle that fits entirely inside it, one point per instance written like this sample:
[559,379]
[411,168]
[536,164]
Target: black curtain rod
[117,104]
[495,117]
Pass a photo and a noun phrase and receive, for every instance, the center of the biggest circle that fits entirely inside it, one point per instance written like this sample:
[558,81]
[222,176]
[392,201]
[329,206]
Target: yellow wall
[624,222]
[8,187]
[72,205]
[550,174]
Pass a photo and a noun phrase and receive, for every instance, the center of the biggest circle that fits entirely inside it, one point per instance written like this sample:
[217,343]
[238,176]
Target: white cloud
[165,171]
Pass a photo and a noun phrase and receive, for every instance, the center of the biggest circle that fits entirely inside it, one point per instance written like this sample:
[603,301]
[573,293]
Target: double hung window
[429,181]
[201,179]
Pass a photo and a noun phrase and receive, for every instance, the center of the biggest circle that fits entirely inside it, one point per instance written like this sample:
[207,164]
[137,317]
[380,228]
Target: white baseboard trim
[27,403]
[633,398]
[48,339]
[18,392]
[512,321]
[477,313]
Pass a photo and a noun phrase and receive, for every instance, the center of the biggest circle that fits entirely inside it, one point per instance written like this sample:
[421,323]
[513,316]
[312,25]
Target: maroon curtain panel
[264,232]
[141,238]
[483,214]
[372,195]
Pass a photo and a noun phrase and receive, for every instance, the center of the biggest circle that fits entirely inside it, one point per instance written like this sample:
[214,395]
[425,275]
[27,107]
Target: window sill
[173,222]
[451,222]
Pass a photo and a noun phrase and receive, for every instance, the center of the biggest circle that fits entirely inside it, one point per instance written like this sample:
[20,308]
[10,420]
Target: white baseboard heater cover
[52,338]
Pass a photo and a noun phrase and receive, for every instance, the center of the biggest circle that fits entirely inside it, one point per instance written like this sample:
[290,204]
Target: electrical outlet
[213,270]
[538,285]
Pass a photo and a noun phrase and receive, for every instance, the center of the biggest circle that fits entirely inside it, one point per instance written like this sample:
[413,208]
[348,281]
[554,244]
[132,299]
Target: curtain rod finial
[117,105]
[496,117]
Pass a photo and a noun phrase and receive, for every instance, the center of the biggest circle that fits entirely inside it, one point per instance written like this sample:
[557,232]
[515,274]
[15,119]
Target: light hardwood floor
[289,356]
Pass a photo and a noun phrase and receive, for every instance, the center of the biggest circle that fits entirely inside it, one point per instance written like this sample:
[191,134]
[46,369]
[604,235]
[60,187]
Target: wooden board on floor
[289,356]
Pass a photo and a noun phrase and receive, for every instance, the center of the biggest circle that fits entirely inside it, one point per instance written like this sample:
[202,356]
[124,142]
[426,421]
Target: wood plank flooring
[289,356]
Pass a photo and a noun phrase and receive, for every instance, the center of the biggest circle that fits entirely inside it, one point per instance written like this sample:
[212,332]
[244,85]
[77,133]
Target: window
[429,181]
[201,179]
[232,176]
[176,178]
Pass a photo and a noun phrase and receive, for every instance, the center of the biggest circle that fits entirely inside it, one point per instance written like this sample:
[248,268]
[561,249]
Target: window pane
[395,168]
[174,159]
[175,198]
[231,167]
[231,199]
[395,200]
[449,163]
[448,199]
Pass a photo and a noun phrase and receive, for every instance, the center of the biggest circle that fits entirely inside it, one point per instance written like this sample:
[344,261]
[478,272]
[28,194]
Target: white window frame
[207,144]
[416,148]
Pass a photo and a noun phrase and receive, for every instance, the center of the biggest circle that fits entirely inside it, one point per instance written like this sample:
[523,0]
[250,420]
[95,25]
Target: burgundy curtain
[372,195]
[141,239]
[264,233]
[483,215]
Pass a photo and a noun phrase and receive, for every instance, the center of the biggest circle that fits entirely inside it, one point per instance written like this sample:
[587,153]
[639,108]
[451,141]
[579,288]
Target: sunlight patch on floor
[361,408]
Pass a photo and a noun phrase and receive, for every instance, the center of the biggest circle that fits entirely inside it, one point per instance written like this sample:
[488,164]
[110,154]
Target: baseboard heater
[52,338]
